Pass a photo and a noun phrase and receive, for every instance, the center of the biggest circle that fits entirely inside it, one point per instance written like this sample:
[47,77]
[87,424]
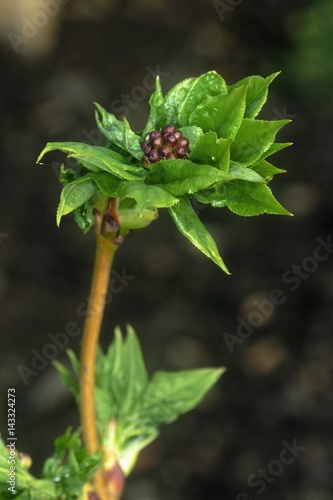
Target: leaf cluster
[227,165]
[63,476]
[131,407]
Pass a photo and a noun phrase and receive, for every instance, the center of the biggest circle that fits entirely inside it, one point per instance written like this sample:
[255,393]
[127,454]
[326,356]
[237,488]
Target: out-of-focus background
[59,56]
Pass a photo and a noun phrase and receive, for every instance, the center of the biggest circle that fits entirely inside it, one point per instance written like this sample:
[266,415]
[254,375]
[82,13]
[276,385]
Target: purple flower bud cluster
[166,144]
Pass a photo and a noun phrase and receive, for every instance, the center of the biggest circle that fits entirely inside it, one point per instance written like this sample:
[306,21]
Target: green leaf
[208,84]
[248,198]
[192,228]
[84,216]
[274,148]
[266,170]
[243,173]
[97,158]
[175,97]
[257,90]
[146,195]
[215,196]
[209,150]
[118,132]
[157,116]
[254,138]
[222,114]
[171,394]
[74,195]
[107,184]
[180,177]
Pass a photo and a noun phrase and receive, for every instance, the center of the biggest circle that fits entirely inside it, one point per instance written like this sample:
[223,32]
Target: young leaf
[97,158]
[257,90]
[84,216]
[208,84]
[243,173]
[249,198]
[215,196]
[192,228]
[157,116]
[222,114]
[117,132]
[209,150]
[254,138]
[146,195]
[171,394]
[274,148]
[175,97]
[74,195]
[266,170]
[180,177]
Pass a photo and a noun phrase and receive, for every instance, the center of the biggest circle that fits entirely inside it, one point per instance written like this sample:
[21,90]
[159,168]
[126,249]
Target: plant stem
[105,252]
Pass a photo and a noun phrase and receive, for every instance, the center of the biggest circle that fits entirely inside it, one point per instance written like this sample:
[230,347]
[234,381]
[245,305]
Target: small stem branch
[105,252]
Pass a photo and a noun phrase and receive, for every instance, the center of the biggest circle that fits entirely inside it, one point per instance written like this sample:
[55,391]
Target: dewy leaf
[254,138]
[209,150]
[248,198]
[222,114]
[208,84]
[146,195]
[192,228]
[266,170]
[257,90]
[74,195]
[118,132]
[157,116]
[180,177]
[175,97]
[171,394]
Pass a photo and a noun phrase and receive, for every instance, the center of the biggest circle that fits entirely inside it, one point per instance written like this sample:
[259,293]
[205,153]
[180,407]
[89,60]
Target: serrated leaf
[192,228]
[146,195]
[266,170]
[175,97]
[97,158]
[242,173]
[210,150]
[74,195]
[208,84]
[257,90]
[274,148]
[222,114]
[253,138]
[157,116]
[171,394]
[180,177]
[118,132]
[248,198]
